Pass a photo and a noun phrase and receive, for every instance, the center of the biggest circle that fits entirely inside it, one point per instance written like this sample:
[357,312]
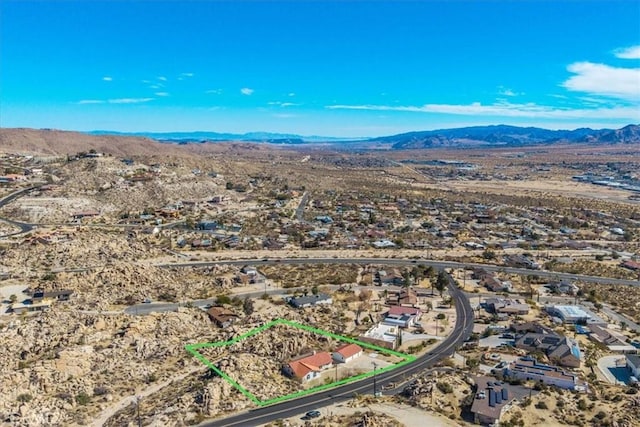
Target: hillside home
[561,350]
[492,401]
[526,368]
[407,297]
[613,341]
[308,367]
[221,316]
[402,316]
[506,306]
[347,353]
[310,300]
[382,335]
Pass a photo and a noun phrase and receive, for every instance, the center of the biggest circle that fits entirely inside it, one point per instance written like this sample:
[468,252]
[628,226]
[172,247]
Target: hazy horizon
[335,69]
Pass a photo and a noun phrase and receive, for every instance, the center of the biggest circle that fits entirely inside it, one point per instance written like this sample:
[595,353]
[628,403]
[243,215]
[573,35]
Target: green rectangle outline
[193,350]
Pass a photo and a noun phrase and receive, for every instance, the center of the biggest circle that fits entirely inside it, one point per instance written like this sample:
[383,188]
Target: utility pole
[138,411]
[336,372]
[375,388]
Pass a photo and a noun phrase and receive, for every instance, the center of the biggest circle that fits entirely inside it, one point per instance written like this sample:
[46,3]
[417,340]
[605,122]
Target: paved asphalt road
[24,227]
[461,331]
[399,261]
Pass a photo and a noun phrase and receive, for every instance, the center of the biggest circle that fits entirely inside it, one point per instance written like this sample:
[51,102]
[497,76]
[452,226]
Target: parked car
[313,414]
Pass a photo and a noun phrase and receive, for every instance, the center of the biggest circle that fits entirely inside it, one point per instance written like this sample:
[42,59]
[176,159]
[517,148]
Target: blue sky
[335,68]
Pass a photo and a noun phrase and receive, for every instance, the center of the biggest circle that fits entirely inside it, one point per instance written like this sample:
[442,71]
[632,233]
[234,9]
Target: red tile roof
[349,350]
[397,310]
[315,362]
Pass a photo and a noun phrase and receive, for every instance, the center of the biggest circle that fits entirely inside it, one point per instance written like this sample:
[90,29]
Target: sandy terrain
[405,414]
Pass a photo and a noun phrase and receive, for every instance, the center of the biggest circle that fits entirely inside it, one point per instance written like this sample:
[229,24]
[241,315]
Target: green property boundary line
[193,349]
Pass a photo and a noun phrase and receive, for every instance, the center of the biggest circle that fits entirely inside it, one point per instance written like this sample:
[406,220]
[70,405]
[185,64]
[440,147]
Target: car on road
[147,301]
[311,414]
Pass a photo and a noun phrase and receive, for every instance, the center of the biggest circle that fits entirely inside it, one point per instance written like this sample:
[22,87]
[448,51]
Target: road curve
[24,227]
[461,331]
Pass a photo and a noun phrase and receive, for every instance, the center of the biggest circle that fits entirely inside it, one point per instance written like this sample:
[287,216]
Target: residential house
[221,316]
[527,368]
[39,295]
[563,287]
[562,350]
[631,265]
[383,243]
[493,284]
[523,328]
[392,277]
[382,335]
[489,280]
[573,314]
[28,306]
[402,316]
[250,276]
[506,306]
[85,214]
[406,296]
[308,367]
[310,300]
[613,341]
[347,353]
[492,401]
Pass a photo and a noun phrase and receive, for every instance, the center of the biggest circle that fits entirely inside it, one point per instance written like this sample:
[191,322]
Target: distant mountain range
[495,135]
[508,136]
[204,136]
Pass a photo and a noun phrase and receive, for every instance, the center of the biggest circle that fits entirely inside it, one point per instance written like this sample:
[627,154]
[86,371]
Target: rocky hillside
[507,135]
[57,142]
[627,135]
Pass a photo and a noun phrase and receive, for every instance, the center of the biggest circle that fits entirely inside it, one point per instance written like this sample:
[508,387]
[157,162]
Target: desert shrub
[582,405]
[83,398]
[444,387]
[541,405]
[24,397]
[223,299]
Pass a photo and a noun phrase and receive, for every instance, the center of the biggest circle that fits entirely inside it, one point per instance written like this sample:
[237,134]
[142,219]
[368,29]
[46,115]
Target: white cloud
[246,91]
[631,52]
[214,91]
[604,80]
[282,104]
[186,75]
[115,101]
[162,78]
[292,94]
[162,93]
[107,78]
[129,100]
[506,109]
[507,92]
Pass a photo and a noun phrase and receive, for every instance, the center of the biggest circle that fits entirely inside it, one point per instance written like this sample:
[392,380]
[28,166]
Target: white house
[526,368]
[347,353]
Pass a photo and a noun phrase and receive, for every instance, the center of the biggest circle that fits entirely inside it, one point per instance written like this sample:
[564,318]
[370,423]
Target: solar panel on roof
[505,394]
[492,397]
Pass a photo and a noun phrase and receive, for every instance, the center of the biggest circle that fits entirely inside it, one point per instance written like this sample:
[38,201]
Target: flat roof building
[572,314]
[527,368]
